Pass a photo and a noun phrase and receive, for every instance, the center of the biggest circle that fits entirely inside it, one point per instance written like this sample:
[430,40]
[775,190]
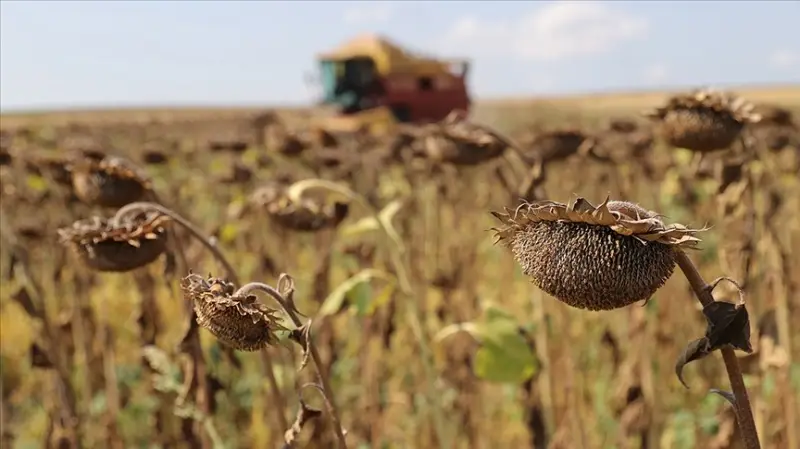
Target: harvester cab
[372,83]
[352,85]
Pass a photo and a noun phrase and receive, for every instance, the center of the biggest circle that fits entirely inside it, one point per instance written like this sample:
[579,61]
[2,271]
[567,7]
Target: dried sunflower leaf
[304,415]
[727,395]
[728,324]
[581,206]
[695,350]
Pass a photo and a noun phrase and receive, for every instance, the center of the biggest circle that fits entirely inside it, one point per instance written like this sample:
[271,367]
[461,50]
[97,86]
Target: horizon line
[36,110]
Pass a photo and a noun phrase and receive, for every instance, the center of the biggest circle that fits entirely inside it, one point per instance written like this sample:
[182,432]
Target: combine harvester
[371,84]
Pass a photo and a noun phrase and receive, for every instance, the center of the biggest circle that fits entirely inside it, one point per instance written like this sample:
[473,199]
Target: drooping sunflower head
[459,141]
[703,120]
[595,258]
[239,321]
[108,182]
[554,144]
[303,215]
[106,245]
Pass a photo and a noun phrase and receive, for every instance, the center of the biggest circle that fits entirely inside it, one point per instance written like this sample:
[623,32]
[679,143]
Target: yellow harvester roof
[388,57]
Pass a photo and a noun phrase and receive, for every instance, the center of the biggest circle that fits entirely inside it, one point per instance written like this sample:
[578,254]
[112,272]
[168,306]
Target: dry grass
[597,104]
[600,380]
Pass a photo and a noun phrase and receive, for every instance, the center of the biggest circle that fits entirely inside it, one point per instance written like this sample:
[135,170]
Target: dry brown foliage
[373,293]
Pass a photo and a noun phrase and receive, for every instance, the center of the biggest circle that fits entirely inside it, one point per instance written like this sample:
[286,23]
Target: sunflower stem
[326,390]
[219,257]
[744,412]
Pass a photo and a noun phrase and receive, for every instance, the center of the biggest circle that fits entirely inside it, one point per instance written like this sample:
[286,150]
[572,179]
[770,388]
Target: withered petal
[580,210]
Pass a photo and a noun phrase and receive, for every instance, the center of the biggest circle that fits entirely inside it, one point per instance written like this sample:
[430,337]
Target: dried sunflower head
[279,139]
[230,146]
[80,140]
[775,115]
[110,182]
[622,125]
[618,147]
[328,158]
[402,145]
[306,215]
[241,322]
[322,138]
[154,157]
[777,129]
[554,145]
[595,258]
[703,120]
[461,142]
[104,245]
[238,173]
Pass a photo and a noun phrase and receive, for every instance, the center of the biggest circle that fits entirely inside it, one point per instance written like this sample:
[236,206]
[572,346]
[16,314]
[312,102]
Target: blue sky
[86,54]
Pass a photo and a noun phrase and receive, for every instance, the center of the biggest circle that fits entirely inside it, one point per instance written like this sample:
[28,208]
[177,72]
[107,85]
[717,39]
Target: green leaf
[492,312]
[372,302]
[360,296]
[333,303]
[504,355]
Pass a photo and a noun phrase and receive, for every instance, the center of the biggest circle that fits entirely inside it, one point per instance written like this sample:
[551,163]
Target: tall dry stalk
[65,419]
[395,249]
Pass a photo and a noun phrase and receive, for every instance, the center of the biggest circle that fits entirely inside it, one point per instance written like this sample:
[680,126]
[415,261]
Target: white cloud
[783,59]
[656,73]
[369,13]
[556,31]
